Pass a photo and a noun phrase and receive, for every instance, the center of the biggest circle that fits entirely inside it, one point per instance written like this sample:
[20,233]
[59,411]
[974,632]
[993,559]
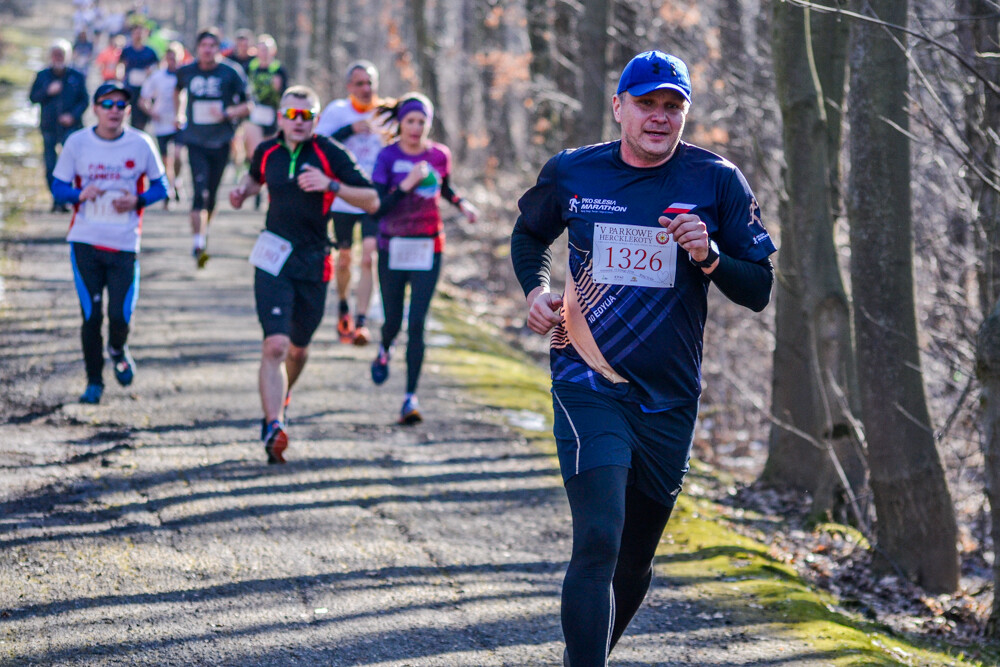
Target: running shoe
[92,394]
[275,442]
[362,336]
[263,420]
[345,328]
[410,413]
[380,367]
[124,365]
[200,257]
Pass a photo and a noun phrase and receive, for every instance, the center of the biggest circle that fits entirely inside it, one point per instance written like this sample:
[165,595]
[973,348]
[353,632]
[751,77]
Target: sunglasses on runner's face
[112,104]
[292,114]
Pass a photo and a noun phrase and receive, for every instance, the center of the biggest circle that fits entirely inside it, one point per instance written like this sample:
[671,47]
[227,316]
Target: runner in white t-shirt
[352,122]
[157,100]
[110,173]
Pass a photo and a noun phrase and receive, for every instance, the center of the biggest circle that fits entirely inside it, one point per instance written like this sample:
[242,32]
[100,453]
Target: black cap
[112,87]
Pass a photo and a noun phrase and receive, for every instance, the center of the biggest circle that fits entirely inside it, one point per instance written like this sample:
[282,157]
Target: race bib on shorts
[263,115]
[207,112]
[411,254]
[634,255]
[136,77]
[103,210]
[270,253]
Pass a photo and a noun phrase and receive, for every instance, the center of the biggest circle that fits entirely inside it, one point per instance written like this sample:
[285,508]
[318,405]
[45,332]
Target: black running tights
[615,532]
[95,270]
[392,284]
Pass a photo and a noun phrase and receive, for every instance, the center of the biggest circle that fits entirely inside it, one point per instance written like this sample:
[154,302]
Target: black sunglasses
[112,104]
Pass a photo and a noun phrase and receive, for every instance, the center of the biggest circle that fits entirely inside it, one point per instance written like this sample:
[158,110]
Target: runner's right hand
[90,193]
[543,310]
[236,196]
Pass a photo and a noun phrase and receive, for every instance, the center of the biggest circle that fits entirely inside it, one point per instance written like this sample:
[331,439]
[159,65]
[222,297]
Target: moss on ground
[700,548]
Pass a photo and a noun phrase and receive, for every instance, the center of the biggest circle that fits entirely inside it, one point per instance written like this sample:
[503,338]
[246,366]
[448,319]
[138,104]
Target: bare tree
[594,65]
[981,41]
[916,521]
[811,444]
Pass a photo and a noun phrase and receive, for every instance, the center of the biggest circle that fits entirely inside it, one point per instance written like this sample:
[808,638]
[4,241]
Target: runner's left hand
[470,210]
[126,202]
[689,232]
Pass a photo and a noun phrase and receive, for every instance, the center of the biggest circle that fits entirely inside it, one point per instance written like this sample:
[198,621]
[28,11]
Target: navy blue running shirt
[651,336]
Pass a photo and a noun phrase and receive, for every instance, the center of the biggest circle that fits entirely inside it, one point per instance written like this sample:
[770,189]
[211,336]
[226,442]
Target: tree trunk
[426,62]
[829,35]
[988,372]
[916,521]
[328,58]
[813,356]
[489,55]
[593,59]
[540,15]
[982,109]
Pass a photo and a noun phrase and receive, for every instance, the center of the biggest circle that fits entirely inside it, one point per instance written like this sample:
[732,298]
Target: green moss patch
[740,577]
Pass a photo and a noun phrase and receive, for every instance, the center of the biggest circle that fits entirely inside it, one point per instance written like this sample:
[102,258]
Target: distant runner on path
[62,93]
[216,101]
[652,222]
[103,171]
[352,121]
[304,173]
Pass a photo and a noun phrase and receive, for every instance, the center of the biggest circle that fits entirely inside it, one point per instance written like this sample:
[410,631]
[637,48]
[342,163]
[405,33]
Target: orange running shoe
[362,336]
[275,442]
[345,328]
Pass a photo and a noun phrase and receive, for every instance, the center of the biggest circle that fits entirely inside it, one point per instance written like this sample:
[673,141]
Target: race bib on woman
[634,255]
[411,254]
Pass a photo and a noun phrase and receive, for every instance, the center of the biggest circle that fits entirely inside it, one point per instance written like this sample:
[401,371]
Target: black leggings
[392,284]
[93,271]
[615,532]
[207,167]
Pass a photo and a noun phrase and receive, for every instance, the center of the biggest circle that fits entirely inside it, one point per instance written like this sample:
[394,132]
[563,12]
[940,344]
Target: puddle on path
[526,419]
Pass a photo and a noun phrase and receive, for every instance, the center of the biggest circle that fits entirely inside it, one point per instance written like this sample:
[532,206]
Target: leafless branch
[990,85]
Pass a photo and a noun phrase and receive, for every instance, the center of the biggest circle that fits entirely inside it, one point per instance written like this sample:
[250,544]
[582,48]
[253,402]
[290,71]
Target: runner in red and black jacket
[304,173]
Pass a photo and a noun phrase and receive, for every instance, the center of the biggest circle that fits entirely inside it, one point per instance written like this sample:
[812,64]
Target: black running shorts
[293,308]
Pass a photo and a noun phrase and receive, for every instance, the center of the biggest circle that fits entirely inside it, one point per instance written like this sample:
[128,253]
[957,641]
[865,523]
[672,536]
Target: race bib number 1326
[634,255]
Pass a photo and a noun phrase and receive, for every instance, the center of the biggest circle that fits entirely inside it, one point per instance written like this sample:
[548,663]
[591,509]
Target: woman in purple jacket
[411,175]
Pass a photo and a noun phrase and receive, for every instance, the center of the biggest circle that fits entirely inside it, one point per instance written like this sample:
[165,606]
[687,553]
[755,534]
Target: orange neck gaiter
[358,106]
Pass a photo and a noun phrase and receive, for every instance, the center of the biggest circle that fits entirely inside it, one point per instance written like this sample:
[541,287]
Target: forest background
[881,213]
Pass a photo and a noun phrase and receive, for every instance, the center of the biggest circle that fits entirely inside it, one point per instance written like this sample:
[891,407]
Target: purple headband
[414,104]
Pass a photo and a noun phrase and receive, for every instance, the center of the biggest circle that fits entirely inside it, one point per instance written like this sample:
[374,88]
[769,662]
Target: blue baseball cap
[655,70]
[109,87]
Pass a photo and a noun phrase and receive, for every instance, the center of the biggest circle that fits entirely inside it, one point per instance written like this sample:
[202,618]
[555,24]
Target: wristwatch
[334,186]
[713,254]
